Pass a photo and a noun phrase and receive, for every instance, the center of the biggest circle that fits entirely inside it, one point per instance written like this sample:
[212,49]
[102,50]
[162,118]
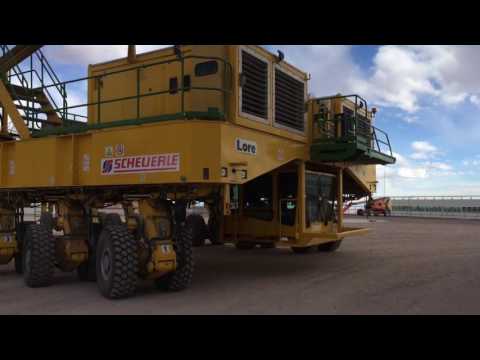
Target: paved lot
[406,266]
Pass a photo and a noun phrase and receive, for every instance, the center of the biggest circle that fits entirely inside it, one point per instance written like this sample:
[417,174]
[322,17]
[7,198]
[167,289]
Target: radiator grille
[289,101]
[255,88]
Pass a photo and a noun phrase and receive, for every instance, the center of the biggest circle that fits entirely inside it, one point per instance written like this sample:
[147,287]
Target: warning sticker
[141,164]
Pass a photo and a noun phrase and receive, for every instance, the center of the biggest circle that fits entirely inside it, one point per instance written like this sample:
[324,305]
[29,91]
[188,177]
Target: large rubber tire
[46,219]
[117,262]
[245,245]
[330,246]
[303,250]
[181,278]
[111,219]
[199,229]
[20,236]
[214,231]
[87,271]
[38,256]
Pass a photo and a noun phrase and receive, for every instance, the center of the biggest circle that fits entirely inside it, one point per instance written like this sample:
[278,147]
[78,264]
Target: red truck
[380,206]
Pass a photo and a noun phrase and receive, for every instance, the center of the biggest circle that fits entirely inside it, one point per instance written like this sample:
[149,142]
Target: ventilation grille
[289,101]
[255,87]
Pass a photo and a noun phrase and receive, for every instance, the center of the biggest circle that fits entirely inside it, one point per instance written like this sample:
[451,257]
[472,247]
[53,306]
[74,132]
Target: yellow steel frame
[203,149]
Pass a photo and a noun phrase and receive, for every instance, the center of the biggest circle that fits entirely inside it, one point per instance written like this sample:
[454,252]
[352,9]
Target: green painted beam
[335,150]
[83,127]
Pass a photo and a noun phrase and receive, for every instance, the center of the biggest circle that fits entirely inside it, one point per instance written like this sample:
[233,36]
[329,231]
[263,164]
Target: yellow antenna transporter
[228,126]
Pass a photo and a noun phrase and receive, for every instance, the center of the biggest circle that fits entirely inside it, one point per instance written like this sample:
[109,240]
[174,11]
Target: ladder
[34,88]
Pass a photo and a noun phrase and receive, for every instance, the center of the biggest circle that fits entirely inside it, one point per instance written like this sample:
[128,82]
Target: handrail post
[98,98]
[356,107]
[64,90]
[138,93]
[28,113]
[64,111]
[224,88]
[389,146]
[376,140]
[182,60]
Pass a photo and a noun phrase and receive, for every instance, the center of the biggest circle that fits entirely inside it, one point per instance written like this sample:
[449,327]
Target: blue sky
[428,99]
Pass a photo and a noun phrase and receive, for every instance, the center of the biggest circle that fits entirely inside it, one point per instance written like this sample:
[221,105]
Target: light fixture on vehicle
[281,56]
[224,172]
[243,174]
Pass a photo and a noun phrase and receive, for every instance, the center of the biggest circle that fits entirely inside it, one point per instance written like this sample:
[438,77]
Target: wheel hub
[28,256]
[106,264]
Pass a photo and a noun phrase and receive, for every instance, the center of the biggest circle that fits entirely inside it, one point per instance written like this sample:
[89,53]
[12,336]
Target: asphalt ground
[404,266]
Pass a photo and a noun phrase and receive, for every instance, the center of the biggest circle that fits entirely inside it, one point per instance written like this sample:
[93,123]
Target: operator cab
[271,204]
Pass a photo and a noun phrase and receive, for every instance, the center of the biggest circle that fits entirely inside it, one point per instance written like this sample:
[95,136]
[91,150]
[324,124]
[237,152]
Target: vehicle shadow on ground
[216,266]
[219,265]
[8,273]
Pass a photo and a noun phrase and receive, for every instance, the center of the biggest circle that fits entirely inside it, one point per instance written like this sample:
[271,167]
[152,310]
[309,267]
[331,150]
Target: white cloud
[440,166]
[419,156]
[475,99]
[472,162]
[410,119]
[412,173]
[413,177]
[401,160]
[446,72]
[91,54]
[332,67]
[423,146]
[400,76]
[403,169]
[423,150]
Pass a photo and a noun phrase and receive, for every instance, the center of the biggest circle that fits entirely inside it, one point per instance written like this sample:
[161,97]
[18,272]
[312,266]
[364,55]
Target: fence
[437,206]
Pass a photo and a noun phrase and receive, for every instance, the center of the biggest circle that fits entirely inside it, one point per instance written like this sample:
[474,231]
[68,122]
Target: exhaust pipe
[132,54]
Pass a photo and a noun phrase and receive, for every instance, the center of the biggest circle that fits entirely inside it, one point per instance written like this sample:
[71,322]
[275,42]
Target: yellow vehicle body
[75,160]
[203,147]
[188,123]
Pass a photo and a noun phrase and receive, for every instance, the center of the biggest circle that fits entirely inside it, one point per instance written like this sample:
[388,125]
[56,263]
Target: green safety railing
[184,113]
[354,128]
[48,82]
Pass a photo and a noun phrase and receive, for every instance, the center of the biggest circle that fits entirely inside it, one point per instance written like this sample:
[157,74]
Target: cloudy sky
[428,99]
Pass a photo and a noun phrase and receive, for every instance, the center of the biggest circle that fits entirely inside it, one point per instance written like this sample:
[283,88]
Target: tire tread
[42,259]
[125,262]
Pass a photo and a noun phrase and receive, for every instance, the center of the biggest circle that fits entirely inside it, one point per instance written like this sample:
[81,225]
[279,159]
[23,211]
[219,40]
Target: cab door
[287,187]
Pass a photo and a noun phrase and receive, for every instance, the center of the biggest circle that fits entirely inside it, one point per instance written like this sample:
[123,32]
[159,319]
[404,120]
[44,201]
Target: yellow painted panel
[157,77]
[271,151]
[33,163]
[75,160]
[366,174]
[153,79]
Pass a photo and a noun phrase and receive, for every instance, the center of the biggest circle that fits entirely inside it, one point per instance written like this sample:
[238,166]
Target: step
[16,55]
[41,121]
[22,93]
[7,137]
[47,110]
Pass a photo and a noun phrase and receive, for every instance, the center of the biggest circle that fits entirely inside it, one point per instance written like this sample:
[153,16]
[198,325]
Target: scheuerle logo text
[246,146]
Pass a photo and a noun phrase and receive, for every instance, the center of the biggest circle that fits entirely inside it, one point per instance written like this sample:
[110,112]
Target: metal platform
[356,142]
